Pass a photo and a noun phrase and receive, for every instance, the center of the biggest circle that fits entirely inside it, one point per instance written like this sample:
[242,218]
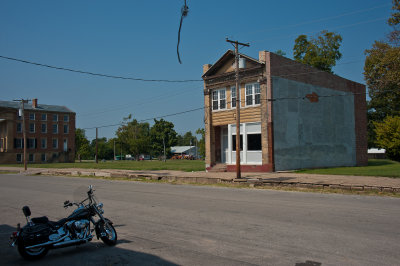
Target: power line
[97,74]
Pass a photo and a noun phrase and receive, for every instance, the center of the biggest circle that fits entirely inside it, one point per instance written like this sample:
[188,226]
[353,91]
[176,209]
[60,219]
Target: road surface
[163,224]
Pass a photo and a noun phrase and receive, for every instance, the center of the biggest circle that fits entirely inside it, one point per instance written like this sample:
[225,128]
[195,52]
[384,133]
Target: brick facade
[11,131]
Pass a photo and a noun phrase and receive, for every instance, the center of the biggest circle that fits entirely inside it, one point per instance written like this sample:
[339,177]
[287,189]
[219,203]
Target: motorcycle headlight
[100,205]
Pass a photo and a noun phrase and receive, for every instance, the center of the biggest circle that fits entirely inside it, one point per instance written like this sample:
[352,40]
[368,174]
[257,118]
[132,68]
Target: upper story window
[253,94]
[19,127]
[66,129]
[233,97]
[44,128]
[31,127]
[31,116]
[219,99]
[44,117]
[55,128]
[55,117]
[66,118]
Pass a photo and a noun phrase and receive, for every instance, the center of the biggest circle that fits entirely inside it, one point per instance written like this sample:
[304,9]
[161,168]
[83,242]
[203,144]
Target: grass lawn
[375,167]
[180,165]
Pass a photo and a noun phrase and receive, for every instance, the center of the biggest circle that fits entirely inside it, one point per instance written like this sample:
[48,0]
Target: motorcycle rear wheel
[31,254]
[110,237]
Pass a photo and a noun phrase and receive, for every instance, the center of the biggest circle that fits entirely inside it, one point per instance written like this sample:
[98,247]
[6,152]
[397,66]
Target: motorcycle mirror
[66,202]
[26,211]
[90,187]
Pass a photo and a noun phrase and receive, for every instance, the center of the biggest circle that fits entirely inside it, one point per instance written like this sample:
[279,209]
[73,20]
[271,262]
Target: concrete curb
[251,182]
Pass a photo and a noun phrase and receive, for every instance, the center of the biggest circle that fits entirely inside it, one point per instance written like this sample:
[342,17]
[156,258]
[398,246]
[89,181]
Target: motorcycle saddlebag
[36,234]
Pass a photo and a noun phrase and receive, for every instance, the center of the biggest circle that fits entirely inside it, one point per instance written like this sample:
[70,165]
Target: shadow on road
[93,253]
[309,263]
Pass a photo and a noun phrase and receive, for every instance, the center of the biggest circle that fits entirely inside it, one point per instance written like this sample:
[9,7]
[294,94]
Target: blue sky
[138,39]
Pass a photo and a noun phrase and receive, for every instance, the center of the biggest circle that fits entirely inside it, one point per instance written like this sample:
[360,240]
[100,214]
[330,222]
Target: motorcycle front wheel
[31,254]
[108,234]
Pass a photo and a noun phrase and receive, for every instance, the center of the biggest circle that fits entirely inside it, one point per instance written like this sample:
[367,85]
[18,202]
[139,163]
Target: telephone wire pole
[236,43]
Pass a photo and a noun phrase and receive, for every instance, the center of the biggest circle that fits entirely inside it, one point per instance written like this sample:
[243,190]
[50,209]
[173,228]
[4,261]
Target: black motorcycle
[40,235]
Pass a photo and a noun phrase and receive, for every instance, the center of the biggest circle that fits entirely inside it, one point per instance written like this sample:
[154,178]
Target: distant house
[50,133]
[376,153]
[184,150]
[292,116]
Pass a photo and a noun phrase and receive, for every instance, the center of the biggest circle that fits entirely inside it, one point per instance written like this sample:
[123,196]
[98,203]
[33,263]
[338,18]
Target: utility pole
[114,149]
[22,114]
[97,147]
[236,43]
[165,158]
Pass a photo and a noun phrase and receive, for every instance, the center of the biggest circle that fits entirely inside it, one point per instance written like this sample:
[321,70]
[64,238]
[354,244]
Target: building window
[234,142]
[31,116]
[44,128]
[219,99]
[66,118]
[30,158]
[55,128]
[19,127]
[233,97]
[65,129]
[31,143]
[43,143]
[31,127]
[55,117]
[44,117]
[19,143]
[2,145]
[19,157]
[55,143]
[65,145]
[253,94]
[254,142]
[43,157]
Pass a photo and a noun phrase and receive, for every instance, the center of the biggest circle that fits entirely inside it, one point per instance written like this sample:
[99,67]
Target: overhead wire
[184,13]
[96,74]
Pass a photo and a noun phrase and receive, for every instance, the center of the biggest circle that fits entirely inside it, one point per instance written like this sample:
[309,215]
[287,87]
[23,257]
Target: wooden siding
[249,114]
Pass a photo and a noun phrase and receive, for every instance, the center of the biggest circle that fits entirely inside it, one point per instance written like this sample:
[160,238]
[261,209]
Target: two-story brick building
[50,133]
[292,115]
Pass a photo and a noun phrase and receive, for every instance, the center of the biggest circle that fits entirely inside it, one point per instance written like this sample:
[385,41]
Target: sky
[138,39]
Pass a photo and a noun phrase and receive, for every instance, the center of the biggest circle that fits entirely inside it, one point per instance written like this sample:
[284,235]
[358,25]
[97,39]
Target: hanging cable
[184,12]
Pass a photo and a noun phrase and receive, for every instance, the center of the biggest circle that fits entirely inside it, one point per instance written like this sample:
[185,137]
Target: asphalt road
[162,224]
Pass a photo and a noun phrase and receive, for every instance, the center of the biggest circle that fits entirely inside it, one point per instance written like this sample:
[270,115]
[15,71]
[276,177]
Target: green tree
[388,136]
[382,74]
[280,52]
[162,132]
[105,150]
[135,137]
[202,142]
[186,140]
[321,51]
[82,145]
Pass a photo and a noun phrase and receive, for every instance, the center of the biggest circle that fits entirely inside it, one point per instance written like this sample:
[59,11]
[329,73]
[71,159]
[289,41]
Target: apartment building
[50,133]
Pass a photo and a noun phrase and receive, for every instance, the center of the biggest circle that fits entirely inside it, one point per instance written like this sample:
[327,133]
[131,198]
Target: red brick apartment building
[50,133]
[292,116]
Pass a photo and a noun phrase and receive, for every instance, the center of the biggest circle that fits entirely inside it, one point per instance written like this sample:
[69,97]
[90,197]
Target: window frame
[255,91]
[219,100]
[45,128]
[67,127]
[55,117]
[55,126]
[66,116]
[20,127]
[45,143]
[32,115]
[45,117]
[56,142]
[34,128]
[233,89]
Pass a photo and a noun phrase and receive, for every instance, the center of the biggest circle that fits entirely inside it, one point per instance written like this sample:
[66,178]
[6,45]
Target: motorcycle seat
[58,223]
[40,220]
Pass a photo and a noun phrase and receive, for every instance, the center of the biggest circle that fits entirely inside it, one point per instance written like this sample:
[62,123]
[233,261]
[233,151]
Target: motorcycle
[40,235]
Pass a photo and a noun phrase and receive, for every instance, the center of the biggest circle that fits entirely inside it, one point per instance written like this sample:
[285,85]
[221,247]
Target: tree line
[136,138]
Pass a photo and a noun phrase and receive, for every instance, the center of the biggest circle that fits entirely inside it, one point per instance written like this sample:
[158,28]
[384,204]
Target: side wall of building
[310,134]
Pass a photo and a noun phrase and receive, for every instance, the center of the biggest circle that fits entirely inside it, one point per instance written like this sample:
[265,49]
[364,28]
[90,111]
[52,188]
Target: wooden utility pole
[236,43]
[22,114]
[97,147]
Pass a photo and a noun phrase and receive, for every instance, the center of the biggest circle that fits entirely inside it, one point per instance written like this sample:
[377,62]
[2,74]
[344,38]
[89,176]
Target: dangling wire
[184,12]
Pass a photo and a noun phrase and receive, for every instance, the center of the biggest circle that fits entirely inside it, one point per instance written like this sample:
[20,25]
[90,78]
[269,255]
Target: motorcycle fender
[97,227]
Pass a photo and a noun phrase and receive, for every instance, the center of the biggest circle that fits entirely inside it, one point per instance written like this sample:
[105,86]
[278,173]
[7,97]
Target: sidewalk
[253,179]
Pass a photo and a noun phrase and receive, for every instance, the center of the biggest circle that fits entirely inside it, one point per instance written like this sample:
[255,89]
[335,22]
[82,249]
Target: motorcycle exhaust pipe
[71,243]
[47,243]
